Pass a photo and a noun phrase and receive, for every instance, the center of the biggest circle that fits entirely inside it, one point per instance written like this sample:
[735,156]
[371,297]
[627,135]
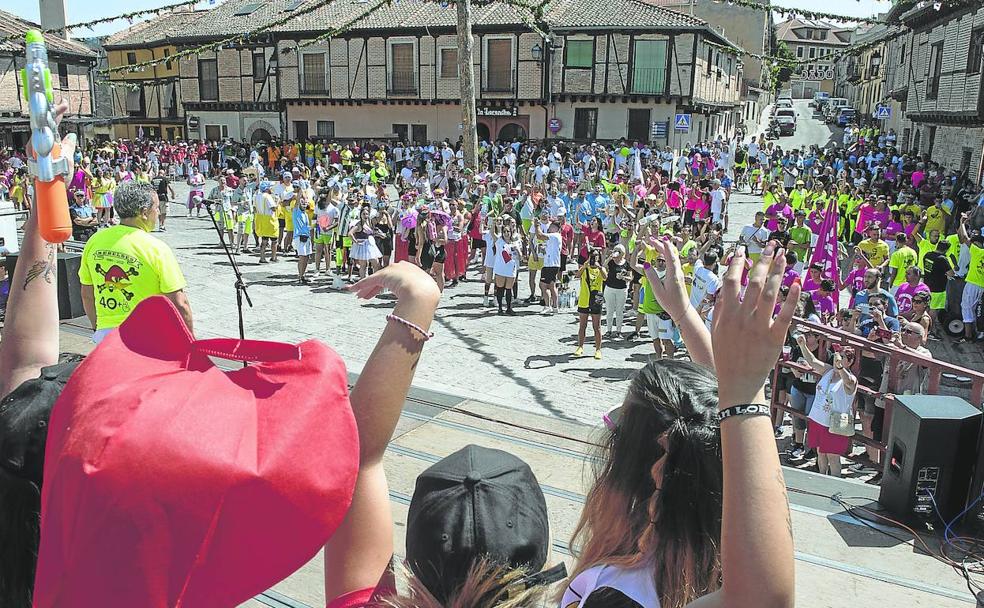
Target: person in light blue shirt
[303,244]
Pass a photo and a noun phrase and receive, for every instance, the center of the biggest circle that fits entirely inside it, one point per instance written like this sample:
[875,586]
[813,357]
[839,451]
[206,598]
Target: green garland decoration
[128,16]
[230,40]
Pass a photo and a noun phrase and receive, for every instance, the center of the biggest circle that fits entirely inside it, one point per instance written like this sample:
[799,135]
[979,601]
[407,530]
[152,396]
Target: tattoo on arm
[42,268]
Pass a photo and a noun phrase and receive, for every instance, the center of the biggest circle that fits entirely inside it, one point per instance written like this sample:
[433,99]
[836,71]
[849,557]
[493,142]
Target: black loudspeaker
[69,287]
[973,521]
[932,448]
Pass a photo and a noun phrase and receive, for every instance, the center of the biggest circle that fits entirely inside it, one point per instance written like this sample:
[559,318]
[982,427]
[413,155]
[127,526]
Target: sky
[86,10]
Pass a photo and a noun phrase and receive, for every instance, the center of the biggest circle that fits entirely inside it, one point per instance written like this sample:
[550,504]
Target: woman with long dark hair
[589,301]
[660,526]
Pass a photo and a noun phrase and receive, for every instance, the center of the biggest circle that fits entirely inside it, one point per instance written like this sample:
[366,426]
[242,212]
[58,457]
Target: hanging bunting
[127,16]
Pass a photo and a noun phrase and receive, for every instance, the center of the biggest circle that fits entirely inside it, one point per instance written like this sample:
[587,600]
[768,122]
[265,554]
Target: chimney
[53,15]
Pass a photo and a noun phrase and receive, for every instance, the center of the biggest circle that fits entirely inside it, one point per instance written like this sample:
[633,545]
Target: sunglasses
[912,332]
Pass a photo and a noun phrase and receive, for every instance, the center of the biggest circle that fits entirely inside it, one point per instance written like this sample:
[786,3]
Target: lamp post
[543,55]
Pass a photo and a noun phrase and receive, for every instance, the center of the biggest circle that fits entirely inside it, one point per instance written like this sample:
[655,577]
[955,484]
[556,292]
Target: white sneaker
[486,302]
[545,310]
[555,311]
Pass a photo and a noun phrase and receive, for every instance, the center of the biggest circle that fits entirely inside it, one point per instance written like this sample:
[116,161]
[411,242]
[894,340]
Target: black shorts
[563,262]
[478,243]
[440,254]
[549,274]
[282,223]
[590,309]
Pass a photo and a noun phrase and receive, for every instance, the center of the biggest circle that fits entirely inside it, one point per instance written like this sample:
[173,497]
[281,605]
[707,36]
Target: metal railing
[499,81]
[892,357]
[402,82]
[648,81]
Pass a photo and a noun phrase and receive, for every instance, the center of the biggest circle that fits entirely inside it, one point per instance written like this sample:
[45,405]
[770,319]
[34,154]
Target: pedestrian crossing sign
[682,123]
[883,113]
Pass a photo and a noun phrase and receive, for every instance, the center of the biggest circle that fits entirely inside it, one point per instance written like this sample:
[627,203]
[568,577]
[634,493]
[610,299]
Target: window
[300,129]
[935,68]
[402,131]
[419,133]
[326,129]
[293,5]
[63,76]
[313,73]
[965,158]
[799,52]
[579,54]
[902,55]
[975,54]
[813,52]
[498,64]
[131,58]
[586,123]
[259,66]
[449,63]
[710,59]
[727,83]
[932,140]
[246,9]
[167,62]
[169,100]
[135,102]
[208,80]
[649,67]
[639,128]
[403,69]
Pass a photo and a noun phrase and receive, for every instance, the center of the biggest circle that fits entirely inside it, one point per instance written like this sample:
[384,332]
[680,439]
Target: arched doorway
[260,135]
[483,132]
[512,131]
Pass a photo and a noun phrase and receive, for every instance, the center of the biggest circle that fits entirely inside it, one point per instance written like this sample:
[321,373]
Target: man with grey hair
[123,265]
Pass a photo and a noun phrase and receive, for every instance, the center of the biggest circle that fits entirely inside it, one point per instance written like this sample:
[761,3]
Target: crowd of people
[562,225]
[478,533]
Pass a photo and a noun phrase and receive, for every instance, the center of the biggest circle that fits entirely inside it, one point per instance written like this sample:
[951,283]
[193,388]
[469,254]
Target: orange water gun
[48,167]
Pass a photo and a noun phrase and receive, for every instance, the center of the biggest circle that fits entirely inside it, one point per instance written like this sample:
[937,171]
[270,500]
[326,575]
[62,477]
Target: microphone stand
[240,285]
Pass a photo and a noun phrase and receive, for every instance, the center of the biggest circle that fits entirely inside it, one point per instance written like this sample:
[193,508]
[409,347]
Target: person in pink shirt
[814,275]
[855,278]
[775,210]
[912,286]
[790,276]
[918,176]
[673,198]
[823,299]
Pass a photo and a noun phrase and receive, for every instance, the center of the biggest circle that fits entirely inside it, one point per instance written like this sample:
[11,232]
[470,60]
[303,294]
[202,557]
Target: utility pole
[466,77]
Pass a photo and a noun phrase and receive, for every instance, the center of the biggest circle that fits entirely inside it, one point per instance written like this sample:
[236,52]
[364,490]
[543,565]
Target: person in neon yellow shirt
[124,265]
[903,258]
[936,217]
[974,287]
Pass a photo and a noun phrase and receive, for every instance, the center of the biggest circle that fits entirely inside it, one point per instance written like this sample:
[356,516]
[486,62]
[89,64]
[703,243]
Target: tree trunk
[466,77]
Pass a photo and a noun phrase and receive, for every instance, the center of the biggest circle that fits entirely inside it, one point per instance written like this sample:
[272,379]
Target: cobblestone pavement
[524,361]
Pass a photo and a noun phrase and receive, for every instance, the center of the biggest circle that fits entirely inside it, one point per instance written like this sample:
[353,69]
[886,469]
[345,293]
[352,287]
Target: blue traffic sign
[883,112]
[682,123]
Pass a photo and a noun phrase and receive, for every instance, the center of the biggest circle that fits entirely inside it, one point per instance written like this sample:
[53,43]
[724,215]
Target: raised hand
[403,279]
[749,323]
[669,290]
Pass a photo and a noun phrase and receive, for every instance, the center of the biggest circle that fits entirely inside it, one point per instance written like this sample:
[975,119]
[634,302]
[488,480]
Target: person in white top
[834,397]
[706,280]
[755,237]
[552,242]
[508,249]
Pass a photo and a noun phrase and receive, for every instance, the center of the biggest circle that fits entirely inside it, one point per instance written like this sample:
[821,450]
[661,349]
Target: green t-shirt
[902,259]
[125,266]
[649,305]
[800,237]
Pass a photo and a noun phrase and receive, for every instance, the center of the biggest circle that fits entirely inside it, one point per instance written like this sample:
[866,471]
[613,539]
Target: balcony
[402,82]
[314,84]
[499,80]
[648,81]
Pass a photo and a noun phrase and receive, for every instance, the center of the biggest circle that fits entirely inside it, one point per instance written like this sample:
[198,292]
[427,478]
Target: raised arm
[30,333]
[756,529]
[358,555]
[671,293]
[818,366]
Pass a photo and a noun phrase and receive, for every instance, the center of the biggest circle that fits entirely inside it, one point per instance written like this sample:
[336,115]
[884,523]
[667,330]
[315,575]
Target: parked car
[787,125]
[818,98]
[832,106]
[790,112]
[846,116]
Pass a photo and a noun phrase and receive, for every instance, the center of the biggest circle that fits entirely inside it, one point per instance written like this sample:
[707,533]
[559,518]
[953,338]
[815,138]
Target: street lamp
[537,52]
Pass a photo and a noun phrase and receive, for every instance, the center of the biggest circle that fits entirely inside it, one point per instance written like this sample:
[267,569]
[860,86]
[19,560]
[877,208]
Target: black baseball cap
[476,503]
[24,415]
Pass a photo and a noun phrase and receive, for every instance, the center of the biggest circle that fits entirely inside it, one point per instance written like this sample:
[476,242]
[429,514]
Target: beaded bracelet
[412,326]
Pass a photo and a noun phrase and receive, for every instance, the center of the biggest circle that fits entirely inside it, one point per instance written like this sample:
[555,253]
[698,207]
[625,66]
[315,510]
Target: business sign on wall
[818,72]
[497,112]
